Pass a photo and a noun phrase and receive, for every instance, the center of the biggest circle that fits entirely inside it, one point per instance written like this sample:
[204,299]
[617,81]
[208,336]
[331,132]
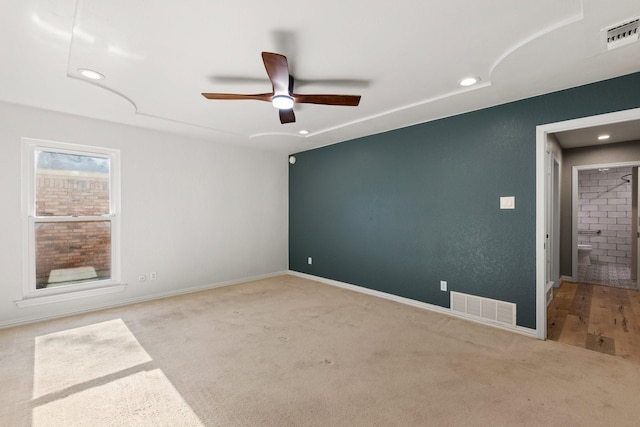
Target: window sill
[48,299]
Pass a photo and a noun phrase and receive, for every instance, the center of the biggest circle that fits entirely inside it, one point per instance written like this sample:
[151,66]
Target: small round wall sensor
[292,159]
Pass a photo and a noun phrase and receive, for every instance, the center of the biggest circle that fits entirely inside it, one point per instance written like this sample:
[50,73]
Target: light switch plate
[508,202]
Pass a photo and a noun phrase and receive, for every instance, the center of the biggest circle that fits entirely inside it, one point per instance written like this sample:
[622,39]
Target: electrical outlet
[153,275]
[309,261]
[142,278]
[443,285]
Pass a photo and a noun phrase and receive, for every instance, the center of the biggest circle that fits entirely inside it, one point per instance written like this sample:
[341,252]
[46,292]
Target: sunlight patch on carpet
[143,399]
[76,356]
[100,375]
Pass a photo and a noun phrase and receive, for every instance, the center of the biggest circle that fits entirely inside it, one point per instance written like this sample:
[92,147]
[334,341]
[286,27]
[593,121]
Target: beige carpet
[292,352]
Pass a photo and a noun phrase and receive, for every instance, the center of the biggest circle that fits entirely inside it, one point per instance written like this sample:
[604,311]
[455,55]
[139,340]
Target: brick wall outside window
[62,245]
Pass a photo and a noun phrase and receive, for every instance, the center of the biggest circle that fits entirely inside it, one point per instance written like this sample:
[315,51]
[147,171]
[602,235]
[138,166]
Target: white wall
[196,212]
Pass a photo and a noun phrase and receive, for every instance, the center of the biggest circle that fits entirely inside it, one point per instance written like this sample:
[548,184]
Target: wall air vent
[622,34]
[484,309]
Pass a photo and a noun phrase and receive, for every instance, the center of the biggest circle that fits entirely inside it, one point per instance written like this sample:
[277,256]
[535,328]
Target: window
[72,218]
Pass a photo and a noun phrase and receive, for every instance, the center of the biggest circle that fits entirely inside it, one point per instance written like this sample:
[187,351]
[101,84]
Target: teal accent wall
[399,211]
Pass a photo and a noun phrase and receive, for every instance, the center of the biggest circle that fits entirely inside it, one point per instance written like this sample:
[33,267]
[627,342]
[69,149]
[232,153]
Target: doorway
[547,251]
[602,222]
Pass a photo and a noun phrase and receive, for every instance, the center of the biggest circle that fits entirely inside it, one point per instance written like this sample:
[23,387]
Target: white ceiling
[617,132]
[405,57]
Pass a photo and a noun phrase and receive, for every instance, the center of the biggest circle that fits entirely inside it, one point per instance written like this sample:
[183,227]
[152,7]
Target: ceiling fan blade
[282,81]
[347,100]
[258,96]
[287,116]
[278,70]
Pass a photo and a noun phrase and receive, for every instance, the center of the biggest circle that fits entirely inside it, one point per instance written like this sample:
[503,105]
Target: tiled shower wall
[604,202]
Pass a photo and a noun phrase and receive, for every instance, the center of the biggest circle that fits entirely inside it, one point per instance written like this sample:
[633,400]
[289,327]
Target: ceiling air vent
[622,34]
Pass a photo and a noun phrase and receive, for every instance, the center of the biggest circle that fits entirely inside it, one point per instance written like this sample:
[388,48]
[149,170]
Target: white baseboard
[414,303]
[151,297]
[566,279]
[550,284]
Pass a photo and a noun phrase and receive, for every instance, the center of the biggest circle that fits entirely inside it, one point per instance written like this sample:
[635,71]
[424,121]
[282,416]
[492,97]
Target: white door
[549,220]
[555,224]
[552,225]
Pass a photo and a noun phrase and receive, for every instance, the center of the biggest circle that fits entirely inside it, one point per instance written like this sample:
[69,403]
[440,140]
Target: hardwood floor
[595,317]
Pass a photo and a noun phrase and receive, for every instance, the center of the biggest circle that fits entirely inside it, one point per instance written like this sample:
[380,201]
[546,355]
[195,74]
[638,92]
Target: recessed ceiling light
[282,102]
[469,81]
[601,137]
[304,132]
[90,74]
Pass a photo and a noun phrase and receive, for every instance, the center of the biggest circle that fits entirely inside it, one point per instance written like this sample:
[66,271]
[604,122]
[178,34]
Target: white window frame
[31,295]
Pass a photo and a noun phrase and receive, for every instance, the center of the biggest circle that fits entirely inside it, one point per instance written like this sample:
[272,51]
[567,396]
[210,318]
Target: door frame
[635,226]
[542,204]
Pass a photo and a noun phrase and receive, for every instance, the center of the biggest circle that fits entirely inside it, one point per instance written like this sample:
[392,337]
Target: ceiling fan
[283,97]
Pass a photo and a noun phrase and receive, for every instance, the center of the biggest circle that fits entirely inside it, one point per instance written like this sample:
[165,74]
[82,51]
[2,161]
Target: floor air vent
[622,34]
[484,308]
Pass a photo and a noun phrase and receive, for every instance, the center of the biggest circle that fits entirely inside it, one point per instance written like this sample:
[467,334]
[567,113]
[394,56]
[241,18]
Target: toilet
[583,254]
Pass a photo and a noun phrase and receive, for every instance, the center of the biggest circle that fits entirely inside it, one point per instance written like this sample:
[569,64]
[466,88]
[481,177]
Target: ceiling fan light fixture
[90,74]
[282,102]
[469,81]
